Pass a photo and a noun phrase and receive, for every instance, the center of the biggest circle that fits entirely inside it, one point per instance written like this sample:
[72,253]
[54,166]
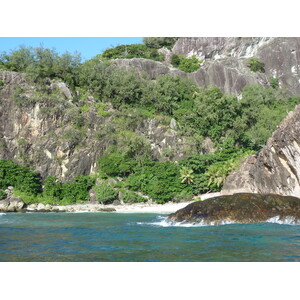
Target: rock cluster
[11,203]
[225,62]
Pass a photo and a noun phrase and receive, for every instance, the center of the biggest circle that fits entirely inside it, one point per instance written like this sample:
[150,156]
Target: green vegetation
[132,51]
[255,65]
[124,99]
[159,42]
[186,64]
[2,195]
[21,178]
[274,82]
[105,194]
[41,63]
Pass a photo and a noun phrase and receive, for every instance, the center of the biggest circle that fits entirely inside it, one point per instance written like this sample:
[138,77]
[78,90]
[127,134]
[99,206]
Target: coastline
[166,208]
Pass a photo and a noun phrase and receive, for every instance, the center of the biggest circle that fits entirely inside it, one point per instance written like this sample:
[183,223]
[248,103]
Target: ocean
[132,237]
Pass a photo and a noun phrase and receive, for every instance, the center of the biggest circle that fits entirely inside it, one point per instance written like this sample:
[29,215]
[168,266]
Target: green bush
[255,65]
[2,195]
[132,51]
[159,42]
[21,178]
[159,180]
[190,64]
[52,187]
[40,63]
[132,197]
[77,190]
[105,194]
[116,164]
[274,82]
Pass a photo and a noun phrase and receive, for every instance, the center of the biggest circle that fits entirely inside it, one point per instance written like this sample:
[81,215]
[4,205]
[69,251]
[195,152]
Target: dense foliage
[2,195]
[20,177]
[132,51]
[234,125]
[256,65]
[105,194]
[186,64]
[40,63]
[159,42]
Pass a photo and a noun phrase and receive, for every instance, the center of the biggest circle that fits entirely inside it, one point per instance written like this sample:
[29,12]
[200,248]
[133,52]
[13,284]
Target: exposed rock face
[225,61]
[276,167]
[41,133]
[240,208]
[150,67]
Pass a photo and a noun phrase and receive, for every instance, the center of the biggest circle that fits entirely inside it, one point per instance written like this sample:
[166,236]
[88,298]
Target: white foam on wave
[285,221]
[2,214]
[164,222]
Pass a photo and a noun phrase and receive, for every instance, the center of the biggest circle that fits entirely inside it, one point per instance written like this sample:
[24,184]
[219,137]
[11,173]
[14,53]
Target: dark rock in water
[107,209]
[45,210]
[240,208]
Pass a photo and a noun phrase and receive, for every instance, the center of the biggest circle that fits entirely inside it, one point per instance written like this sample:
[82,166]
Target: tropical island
[164,121]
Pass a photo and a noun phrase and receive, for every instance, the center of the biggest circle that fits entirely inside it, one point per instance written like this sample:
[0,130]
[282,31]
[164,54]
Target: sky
[87,46]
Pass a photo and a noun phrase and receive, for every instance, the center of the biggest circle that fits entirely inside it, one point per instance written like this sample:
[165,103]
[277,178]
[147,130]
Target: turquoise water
[140,237]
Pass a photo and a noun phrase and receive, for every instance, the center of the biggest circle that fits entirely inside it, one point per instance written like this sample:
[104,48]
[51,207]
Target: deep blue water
[140,237]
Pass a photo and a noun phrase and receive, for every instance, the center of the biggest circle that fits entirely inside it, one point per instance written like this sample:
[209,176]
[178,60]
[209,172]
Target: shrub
[159,180]
[255,65]
[22,178]
[116,164]
[2,195]
[274,82]
[132,51]
[132,197]
[190,64]
[105,194]
[77,190]
[52,187]
[159,42]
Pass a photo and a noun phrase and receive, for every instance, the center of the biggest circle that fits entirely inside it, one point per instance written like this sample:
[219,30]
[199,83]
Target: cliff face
[225,62]
[56,137]
[275,168]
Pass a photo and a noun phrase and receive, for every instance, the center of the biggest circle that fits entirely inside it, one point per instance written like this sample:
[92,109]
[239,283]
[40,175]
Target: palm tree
[186,175]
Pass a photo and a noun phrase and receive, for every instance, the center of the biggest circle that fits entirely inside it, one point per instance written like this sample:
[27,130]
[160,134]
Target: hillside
[133,124]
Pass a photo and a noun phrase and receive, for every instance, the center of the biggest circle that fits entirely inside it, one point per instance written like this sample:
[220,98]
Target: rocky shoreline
[239,208]
[16,204]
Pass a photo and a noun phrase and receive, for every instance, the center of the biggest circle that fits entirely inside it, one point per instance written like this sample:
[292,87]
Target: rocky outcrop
[55,137]
[12,204]
[225,62]
[240,208]
[276,167]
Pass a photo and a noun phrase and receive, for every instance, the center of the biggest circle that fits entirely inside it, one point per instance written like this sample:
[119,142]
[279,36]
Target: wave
[164,222]
[2,214]
[285,221]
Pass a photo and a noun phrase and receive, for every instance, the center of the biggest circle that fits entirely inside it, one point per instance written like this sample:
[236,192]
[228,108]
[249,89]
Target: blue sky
[87,46]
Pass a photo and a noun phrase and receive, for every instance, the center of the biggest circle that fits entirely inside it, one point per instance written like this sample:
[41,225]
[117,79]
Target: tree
[255,65]
[186,175]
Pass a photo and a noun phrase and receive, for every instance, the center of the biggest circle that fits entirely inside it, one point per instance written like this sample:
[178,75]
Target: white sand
[169,207]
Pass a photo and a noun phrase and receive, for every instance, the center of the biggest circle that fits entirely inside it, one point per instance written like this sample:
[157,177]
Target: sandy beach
[166,208]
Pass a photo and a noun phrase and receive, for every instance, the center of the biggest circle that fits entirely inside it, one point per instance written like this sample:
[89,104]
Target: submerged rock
[240,208]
